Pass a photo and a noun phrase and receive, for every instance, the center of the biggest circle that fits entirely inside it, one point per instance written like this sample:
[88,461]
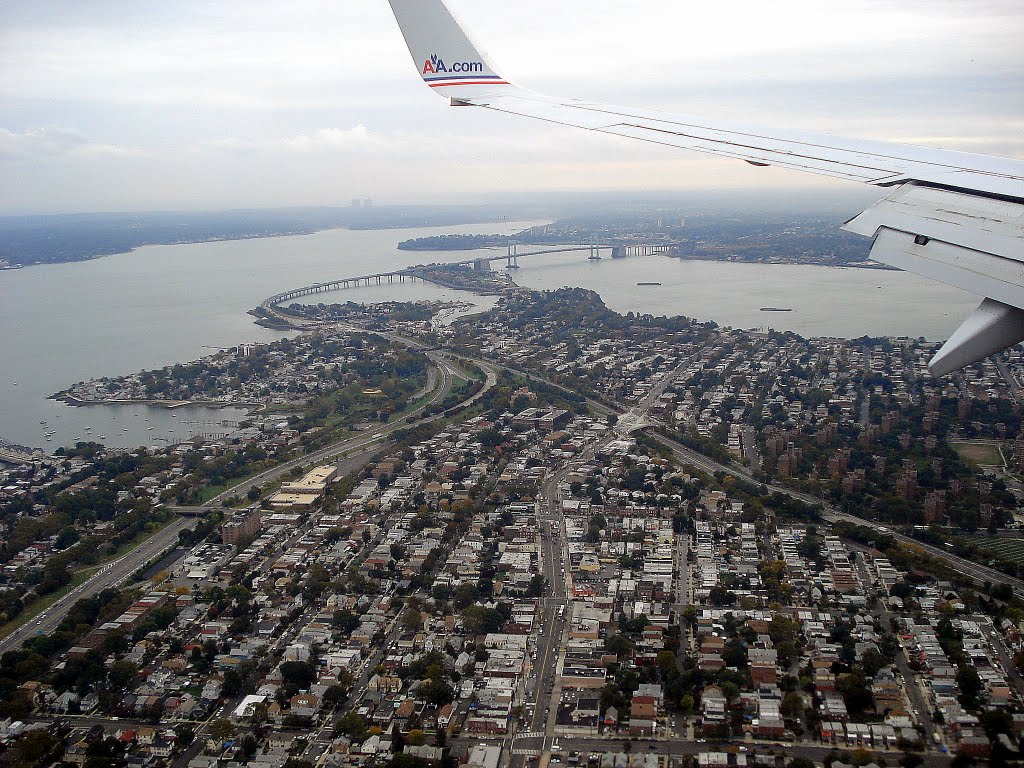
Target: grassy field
[979,454]
[215,490]
[1010,550]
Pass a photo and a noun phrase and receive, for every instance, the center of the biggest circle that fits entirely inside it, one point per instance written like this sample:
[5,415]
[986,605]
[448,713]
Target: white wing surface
[953,216]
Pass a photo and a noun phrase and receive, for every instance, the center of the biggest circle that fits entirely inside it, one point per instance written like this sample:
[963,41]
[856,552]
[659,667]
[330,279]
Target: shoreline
[301,232]
[170,405]
[286,328]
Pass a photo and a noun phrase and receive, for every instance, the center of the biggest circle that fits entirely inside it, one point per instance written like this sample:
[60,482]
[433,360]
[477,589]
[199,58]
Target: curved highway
[115,573]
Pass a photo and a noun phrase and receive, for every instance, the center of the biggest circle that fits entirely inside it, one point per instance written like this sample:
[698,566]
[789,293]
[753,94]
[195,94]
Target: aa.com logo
[435,66]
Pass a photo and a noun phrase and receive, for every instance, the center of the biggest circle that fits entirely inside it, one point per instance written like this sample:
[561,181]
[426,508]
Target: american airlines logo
[435,65]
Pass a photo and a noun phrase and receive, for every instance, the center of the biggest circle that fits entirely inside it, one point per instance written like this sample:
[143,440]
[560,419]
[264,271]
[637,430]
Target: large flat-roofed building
[484,756]
[294,499]
[315,481]
[307,491]
[543,419]
[202,562]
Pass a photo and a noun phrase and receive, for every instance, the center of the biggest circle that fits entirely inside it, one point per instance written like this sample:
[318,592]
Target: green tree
[970,684]
[465,594]
[620,645]
[792,705]
[34,748]
[480,620]
[122,674]
[222,729]
[352,725]
[301,674]
[232,683]
[872,662]
[436,692]
[249,746]
[536,586]
[403,760]
[186,734]
[344,621]
[412,620]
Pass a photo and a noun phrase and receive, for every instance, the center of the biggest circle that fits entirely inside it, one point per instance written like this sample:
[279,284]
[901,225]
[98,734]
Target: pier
[10,456]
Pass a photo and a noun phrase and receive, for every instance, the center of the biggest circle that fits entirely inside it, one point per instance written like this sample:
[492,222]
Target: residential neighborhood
[544,573]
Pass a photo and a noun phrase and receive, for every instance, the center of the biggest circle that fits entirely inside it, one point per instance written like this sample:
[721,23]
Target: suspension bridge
[510,256]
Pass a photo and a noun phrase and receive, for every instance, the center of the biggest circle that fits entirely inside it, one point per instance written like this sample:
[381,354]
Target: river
[165,304]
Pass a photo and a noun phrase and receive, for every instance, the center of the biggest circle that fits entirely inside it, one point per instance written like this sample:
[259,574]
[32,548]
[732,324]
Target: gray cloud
[195,104]
[55,142]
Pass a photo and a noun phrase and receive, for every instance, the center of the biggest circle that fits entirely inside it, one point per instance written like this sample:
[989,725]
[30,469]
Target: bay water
[161,305]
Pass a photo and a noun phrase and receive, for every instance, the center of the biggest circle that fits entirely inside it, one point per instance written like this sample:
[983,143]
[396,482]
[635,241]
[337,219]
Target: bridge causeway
[411,274]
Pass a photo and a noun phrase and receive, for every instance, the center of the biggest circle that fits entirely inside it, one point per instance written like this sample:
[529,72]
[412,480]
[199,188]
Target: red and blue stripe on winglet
[444,82]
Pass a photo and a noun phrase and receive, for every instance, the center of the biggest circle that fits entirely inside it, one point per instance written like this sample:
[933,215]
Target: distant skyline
[107,106]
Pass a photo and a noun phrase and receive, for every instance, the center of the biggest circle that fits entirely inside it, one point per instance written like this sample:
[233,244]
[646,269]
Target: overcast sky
[197,104]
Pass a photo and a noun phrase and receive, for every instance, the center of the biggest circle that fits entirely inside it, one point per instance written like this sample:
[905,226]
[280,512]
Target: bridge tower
[513,255]
[595,253]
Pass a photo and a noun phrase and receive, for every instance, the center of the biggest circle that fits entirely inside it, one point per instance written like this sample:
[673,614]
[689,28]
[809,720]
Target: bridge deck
[416,273]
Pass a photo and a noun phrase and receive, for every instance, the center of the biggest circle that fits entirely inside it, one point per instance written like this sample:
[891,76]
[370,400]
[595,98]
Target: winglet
[443,53]
[992,327]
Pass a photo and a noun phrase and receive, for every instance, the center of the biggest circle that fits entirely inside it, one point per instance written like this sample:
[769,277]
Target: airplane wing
[954,217]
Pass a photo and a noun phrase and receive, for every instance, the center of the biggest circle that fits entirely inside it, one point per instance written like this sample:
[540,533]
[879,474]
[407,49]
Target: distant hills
[718,224]
[27,240]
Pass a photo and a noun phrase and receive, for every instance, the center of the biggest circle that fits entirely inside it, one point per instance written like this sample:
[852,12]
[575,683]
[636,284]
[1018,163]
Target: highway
[631,419]
[979,573]
[113,574]
[372,438]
